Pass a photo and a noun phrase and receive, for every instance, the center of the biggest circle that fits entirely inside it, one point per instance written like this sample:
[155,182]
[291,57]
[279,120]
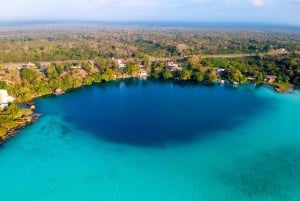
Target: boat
[235,84]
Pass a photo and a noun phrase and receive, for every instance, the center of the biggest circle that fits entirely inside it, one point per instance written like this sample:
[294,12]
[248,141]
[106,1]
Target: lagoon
[157,140]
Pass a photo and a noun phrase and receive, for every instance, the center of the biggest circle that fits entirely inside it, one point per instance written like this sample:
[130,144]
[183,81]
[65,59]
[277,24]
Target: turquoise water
[150,140]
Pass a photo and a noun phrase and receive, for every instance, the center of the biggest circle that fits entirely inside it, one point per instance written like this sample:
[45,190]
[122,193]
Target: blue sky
[253,11]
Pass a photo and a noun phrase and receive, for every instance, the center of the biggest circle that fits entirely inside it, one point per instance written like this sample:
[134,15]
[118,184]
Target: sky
[284,12]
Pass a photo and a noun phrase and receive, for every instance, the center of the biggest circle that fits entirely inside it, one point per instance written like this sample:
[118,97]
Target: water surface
[151,140]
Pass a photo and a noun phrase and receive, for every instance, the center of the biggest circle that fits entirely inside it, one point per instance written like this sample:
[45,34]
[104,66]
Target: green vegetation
[81,57]
[73,42]
[132,68]
[35,84]
[12,118]
[166,74]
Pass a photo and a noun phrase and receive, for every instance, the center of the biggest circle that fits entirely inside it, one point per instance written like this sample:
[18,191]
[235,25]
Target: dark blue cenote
[153,112]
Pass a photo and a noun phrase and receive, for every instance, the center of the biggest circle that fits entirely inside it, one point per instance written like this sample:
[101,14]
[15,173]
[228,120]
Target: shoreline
[28,117]
[32,117]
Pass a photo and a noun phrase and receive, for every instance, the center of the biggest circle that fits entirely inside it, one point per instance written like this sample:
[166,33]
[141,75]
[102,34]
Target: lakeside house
[172,66]
[143,72]
[121,63]
[251,79]
[142,64]
[220,71]
[270,78]
[58,91]
[5,99]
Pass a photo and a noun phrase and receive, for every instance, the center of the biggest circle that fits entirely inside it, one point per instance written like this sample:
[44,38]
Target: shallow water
[150,140]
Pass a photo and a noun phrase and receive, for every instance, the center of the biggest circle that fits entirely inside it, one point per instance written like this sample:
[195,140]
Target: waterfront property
[172,66]
[121,63]
[143,72]
[58,91]
[220,71]
[5,99]
[270,78]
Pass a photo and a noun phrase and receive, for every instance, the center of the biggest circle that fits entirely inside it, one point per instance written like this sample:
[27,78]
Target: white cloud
[258,3]
[138,10]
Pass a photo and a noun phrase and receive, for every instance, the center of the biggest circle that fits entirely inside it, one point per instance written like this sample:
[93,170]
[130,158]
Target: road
[271,53]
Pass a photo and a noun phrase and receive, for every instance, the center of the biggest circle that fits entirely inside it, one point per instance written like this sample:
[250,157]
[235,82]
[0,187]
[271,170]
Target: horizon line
[162,23]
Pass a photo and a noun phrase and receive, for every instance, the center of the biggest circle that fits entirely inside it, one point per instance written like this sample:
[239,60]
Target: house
[58,91]
[270,78]
[282,50]
[172,66]
[250,79]
[28,65]
[143,72]
[5,99]
[142,64]
[75,65]
[121,63]
[220,71]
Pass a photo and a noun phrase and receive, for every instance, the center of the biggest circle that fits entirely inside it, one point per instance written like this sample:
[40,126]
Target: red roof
[121,61]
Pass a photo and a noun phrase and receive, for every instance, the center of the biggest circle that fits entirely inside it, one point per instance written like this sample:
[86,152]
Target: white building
[143,73]
[121,63]
[28,65]
[5,98]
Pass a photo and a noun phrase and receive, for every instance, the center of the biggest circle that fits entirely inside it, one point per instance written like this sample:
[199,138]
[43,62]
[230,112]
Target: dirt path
[271,53]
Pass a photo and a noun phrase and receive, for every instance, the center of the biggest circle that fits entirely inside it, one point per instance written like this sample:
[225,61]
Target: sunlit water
[150,140]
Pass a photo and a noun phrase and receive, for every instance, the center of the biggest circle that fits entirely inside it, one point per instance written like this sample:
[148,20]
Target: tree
[235,75]
[260,78]
[185,74]
[198,76]
[107,74]
[59,69]
[28,74]
[297,81]
[210,76]
[194,62]
[3,85]
[181,48]
[51,72]
[156,69]
[167,74]
[132,68]
[87,67]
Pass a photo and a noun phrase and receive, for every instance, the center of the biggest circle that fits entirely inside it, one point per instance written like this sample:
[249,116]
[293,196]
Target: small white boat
[235,84]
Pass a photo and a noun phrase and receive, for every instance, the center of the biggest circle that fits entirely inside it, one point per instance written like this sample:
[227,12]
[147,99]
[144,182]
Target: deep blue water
[149,140]
[154,113]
